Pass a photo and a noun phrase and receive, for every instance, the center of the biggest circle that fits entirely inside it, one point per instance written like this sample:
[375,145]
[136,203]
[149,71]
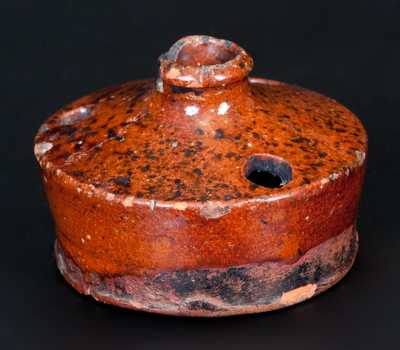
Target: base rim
[216,292]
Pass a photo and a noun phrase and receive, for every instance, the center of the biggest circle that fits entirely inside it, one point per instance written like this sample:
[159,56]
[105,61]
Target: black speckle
[329,124]
[230,154]
[150,155]
[204,198]
[219,134]
[145,167]
[197,171]
[178,183]
[306,181]
[77,173]
[227,197]
[218,156]
[175,195]
[122,181]
[322,154]
[111,133]
[300,139]
[199,132]
[132,155]
[64,130]
[187,152]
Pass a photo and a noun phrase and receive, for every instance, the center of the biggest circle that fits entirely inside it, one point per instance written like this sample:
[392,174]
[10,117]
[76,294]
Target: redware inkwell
[204,192]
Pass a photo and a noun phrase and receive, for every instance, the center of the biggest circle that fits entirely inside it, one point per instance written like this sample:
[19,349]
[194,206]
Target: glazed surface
[165,178]
[193,144]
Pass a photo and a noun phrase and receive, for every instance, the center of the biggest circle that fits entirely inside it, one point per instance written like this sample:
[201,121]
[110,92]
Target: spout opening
[201,61]
[206,53]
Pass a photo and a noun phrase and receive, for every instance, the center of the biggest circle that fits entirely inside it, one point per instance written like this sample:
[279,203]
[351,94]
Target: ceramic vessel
[204,192]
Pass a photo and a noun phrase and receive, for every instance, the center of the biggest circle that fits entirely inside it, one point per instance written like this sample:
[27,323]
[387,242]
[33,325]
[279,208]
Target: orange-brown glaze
[153,175]
[179,146]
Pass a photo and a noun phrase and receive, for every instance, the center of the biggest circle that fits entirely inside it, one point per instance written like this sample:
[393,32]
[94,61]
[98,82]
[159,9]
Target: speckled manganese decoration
[203,192]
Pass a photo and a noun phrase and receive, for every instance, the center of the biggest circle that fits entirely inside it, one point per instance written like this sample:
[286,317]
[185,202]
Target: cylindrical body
[204,193]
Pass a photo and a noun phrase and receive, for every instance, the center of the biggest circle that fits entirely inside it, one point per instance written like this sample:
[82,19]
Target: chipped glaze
[156,172]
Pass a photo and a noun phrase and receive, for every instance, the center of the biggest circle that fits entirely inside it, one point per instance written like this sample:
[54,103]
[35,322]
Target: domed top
[203,131]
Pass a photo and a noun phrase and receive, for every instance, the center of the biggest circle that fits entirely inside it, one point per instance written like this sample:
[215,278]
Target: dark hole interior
[205,54]
[265,179]
[267,171]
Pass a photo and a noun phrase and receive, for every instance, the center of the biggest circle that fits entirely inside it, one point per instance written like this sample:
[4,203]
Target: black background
[55,51]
